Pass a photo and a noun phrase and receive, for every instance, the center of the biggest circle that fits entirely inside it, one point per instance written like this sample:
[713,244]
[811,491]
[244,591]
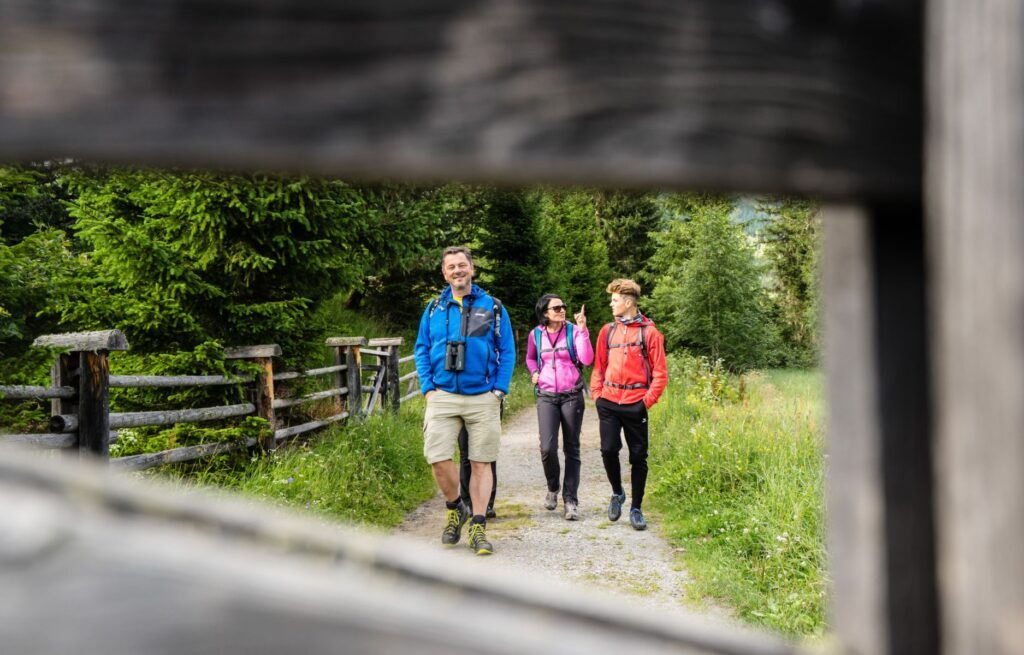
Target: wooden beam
[780,96]
[187,571]
[84,341]
[253,352]
[976,163]
[385,341]
[94,404]
[337,342]
[881,496]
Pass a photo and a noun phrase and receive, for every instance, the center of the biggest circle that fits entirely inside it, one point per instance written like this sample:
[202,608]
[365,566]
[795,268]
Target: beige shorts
[448,412]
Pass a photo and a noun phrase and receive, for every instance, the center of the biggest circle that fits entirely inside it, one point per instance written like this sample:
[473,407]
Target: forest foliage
[186,261]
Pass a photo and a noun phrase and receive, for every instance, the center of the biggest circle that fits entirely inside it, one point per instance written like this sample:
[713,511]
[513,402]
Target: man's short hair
[624,287]
[456,250]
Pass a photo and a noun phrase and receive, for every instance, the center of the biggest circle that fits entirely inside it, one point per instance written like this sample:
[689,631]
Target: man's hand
[581,317]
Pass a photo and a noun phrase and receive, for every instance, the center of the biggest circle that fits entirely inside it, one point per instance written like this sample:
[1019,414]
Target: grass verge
[737,475]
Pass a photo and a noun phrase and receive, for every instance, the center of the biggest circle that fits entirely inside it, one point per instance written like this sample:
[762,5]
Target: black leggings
[631,420]
[565,411]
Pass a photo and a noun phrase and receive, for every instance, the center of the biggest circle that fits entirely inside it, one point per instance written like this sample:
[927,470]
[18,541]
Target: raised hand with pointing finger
[581,317]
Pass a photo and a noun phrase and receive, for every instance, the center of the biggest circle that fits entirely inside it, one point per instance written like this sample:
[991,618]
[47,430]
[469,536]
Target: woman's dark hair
[542,307]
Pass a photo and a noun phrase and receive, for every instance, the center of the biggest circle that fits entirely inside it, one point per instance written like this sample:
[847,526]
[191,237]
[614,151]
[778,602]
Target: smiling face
[555,317]
[458,272]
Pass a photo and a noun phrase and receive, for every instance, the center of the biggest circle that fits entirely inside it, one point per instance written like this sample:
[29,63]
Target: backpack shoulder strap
[570,342]
[537,346]
[497,319]
[434,304]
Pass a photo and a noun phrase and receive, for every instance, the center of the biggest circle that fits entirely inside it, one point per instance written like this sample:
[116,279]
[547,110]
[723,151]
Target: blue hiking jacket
[488,362]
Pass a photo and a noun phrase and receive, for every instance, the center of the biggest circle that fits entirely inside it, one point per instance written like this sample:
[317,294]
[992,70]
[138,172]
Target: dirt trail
[591,551]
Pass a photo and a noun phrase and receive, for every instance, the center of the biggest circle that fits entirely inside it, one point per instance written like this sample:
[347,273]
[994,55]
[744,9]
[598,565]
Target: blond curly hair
[625,287]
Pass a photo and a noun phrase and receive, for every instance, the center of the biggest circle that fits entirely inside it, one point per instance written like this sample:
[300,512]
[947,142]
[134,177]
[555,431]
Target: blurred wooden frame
[919,160]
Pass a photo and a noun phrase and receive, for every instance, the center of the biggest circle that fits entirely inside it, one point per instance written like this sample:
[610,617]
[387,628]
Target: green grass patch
[737,473]
[371,472]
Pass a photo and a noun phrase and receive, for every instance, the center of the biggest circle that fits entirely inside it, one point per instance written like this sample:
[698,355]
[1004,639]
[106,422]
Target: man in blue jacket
[465,353]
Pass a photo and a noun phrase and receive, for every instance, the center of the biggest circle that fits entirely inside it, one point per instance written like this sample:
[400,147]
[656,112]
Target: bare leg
[480,485]
[447,476]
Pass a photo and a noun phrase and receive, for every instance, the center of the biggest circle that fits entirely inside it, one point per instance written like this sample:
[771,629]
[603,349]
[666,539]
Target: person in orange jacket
[628,378]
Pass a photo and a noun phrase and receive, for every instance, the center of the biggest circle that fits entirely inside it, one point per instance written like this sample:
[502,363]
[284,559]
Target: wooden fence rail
[80,407]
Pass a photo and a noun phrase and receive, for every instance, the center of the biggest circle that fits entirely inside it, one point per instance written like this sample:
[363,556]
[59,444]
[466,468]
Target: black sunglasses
[558,308]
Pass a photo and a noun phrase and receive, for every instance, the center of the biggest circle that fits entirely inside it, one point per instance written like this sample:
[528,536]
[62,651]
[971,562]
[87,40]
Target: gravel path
[591,551]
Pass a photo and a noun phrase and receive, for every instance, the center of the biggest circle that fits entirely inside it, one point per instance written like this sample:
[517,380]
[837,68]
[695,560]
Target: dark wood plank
[780,96]
[976,165]
[881,496]
[64,372]
[94,405]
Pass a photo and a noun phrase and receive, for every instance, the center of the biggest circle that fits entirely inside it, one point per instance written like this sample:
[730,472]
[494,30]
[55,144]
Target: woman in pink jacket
[556,354]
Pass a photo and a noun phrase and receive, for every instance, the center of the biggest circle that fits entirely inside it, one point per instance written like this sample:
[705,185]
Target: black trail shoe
[615,506]
[454,521]
[478,540]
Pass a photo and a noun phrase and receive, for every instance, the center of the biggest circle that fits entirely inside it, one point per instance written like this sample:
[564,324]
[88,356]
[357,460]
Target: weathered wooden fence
[905,114]
[81,381]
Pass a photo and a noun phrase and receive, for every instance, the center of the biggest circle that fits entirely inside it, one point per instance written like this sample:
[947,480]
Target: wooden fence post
[64,373]
[88,365]
[263,356]
[347,349]
[390,390]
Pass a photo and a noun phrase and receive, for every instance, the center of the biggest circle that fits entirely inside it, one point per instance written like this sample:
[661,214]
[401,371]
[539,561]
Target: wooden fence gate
[904,115]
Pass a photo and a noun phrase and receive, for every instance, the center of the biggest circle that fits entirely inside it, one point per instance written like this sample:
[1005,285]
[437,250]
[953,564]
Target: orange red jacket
[625,364]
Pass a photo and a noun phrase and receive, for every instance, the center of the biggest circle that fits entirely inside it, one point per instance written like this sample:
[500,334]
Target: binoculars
[455,356]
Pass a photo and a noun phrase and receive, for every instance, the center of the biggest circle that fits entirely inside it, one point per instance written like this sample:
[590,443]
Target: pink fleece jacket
[557,372]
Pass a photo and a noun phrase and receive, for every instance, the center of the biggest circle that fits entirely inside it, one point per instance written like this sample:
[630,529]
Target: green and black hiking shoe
[453,525]
[478,540]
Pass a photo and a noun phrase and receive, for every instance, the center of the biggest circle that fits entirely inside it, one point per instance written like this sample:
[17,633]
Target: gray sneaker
[615,506]
[551,500]
[637,520]
[571,512]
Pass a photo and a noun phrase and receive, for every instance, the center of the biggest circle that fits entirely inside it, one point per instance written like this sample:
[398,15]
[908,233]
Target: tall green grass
[737,474]
[370,472]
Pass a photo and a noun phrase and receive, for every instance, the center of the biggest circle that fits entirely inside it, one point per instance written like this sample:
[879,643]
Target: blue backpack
[570,341]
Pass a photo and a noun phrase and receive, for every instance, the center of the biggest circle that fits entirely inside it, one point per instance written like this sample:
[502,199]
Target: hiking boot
[571,512]
[454,520]
[615,506]
[490,513]
[478,540]
[637,520]
[551,500]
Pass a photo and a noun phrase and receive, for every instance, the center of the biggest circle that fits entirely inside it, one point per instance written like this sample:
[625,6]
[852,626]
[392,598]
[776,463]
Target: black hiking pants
[630,420]
[563,410]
